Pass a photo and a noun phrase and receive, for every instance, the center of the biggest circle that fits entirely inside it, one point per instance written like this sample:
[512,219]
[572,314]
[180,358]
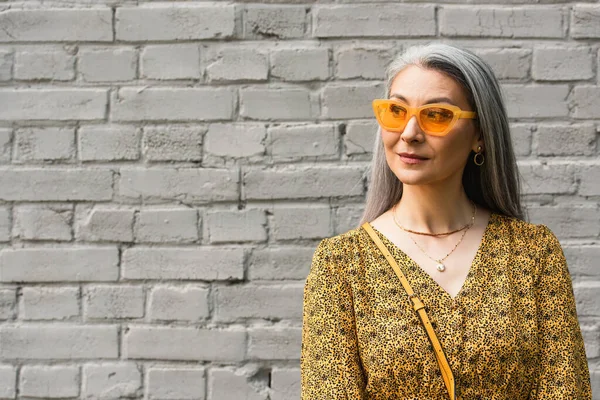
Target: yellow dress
[511,332]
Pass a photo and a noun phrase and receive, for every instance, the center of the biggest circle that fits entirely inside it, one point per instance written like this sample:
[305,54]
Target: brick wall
[166,171]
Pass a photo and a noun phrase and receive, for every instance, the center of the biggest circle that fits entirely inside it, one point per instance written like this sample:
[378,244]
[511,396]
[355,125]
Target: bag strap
[420,309]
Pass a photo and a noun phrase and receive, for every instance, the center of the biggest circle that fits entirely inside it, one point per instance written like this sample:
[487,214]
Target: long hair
[494,185]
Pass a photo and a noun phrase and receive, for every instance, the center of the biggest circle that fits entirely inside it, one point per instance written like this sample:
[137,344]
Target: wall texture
[167,170]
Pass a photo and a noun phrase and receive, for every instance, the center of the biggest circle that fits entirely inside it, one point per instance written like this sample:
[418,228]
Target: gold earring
[478,161]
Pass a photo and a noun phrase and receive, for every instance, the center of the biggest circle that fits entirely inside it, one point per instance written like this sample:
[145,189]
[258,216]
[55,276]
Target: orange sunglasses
[434,119]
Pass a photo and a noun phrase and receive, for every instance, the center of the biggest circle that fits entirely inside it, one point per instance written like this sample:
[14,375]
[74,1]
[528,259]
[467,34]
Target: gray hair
[494,185]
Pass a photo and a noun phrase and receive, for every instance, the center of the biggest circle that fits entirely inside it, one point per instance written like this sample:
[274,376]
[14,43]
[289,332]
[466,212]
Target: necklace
[440,264]
[434,234]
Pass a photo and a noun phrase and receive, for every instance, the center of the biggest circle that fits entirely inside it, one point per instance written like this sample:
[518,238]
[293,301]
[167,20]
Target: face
[445,156]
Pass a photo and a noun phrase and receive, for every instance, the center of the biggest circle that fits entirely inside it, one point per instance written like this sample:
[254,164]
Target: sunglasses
[434,119]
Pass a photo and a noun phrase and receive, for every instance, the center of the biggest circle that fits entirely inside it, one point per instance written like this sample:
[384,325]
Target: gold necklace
[434,234]
[440,265]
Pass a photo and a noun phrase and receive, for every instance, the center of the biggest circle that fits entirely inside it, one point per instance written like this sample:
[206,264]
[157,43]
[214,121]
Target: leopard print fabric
[511,332]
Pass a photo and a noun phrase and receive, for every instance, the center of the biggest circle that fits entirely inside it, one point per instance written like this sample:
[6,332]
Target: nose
[412,131]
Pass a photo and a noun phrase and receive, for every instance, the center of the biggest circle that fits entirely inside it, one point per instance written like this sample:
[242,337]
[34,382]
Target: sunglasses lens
[436,119]
[392,115]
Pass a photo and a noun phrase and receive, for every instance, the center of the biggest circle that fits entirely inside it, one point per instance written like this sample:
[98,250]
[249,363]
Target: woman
[444,200]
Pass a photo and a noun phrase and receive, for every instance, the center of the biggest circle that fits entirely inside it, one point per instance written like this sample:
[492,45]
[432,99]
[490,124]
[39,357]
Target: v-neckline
[472,269]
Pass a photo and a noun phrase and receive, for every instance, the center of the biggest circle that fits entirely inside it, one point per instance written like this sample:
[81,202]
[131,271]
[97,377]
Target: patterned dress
[511,332]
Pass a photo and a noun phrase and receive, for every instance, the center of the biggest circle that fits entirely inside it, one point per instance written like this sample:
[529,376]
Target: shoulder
[343,244]
[537,238]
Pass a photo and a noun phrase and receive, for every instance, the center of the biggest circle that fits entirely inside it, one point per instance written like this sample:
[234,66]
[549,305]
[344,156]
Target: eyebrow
[430,101]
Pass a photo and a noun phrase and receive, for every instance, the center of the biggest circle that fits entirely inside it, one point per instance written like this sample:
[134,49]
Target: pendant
[441,267]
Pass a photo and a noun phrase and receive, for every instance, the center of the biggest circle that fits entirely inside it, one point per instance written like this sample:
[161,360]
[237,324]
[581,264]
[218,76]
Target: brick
[225,65]
[280,263]
[300,64]
[507,63]
[172,104]
[56,25]
[583,259]
[183,263]
[177,21]
[104,224]
[49,381]
[179,343]
[176,225]
[589,184]
[249,383]
[5,144]
[360,137]
[8,379]
[521,136]
[182,303]
[292,141]
[274,343]
[108,65]
[301,222]
[536,101]
[236,226]
[365,20]
[585,21]
[176,383]
[276,104]
[562,63]
[586,296]
[6,65]
[111,381]
[182,184]
[56,265]
[350,101]
[539,178]
[591,340]
[112,302]
[4,224]
[55,64]
[513,22]
[8,307]
[43,222]
[302,182]
[363,62]
[239,140]
[347,217]
[55,104]
[255,301]
[285,383]
[176,143]
[274,21]
[566,140]
[55,184]
[171,61]
[566,222]
[109,143]
[583,102]
[37,144]
[49,303]
[58,342]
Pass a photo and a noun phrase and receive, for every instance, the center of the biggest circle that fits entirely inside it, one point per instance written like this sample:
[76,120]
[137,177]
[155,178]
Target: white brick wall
[167,169]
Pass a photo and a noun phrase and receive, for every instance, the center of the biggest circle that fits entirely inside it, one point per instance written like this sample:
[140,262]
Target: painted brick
[8,306]
[38,144]
[6,65]
[163,62]
[49,381]
[285,383]
[365,20]
[274,343]
[536,101]
[183,263]
[112,302]
[55,64]
[109,143]
[342,101]
[274,21]
[276,104]
[176,383]
[293,141]
[104,224]
[301,222]
[108,65]
[236,140]
[583,101]
[280,263]
[585,21]
[562,63]
[186,303]
[236,226]
[177,143]
[8,378]
[111,381]
[300,64]
[175,21]
[507,63]
[366,62]
[49,303]
[236,64]
[176,225]
[566,140]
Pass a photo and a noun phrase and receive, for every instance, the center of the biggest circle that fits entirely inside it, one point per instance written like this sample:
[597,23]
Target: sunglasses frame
[457,113]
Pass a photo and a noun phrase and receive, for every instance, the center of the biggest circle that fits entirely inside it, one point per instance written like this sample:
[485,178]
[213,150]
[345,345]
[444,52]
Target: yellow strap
[420,309]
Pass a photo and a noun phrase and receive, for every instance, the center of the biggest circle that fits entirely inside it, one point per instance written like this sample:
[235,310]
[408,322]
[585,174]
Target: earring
[479,161]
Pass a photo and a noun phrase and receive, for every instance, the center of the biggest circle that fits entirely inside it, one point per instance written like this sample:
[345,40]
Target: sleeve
[563,367]
[330,363]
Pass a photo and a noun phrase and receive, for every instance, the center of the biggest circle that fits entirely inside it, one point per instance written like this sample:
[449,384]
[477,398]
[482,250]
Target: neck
[433,208]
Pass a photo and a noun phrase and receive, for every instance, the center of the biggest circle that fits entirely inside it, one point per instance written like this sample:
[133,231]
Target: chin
[412,177]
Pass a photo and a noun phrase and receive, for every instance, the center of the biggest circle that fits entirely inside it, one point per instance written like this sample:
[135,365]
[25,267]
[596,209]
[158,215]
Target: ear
[478,142]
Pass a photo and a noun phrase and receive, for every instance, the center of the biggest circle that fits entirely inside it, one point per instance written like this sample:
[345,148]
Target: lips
[413,156]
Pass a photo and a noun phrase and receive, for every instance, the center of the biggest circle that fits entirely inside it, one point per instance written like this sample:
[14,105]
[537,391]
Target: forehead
[418,84]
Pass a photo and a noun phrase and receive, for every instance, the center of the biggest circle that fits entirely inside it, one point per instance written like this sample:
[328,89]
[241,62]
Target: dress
[511,332]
